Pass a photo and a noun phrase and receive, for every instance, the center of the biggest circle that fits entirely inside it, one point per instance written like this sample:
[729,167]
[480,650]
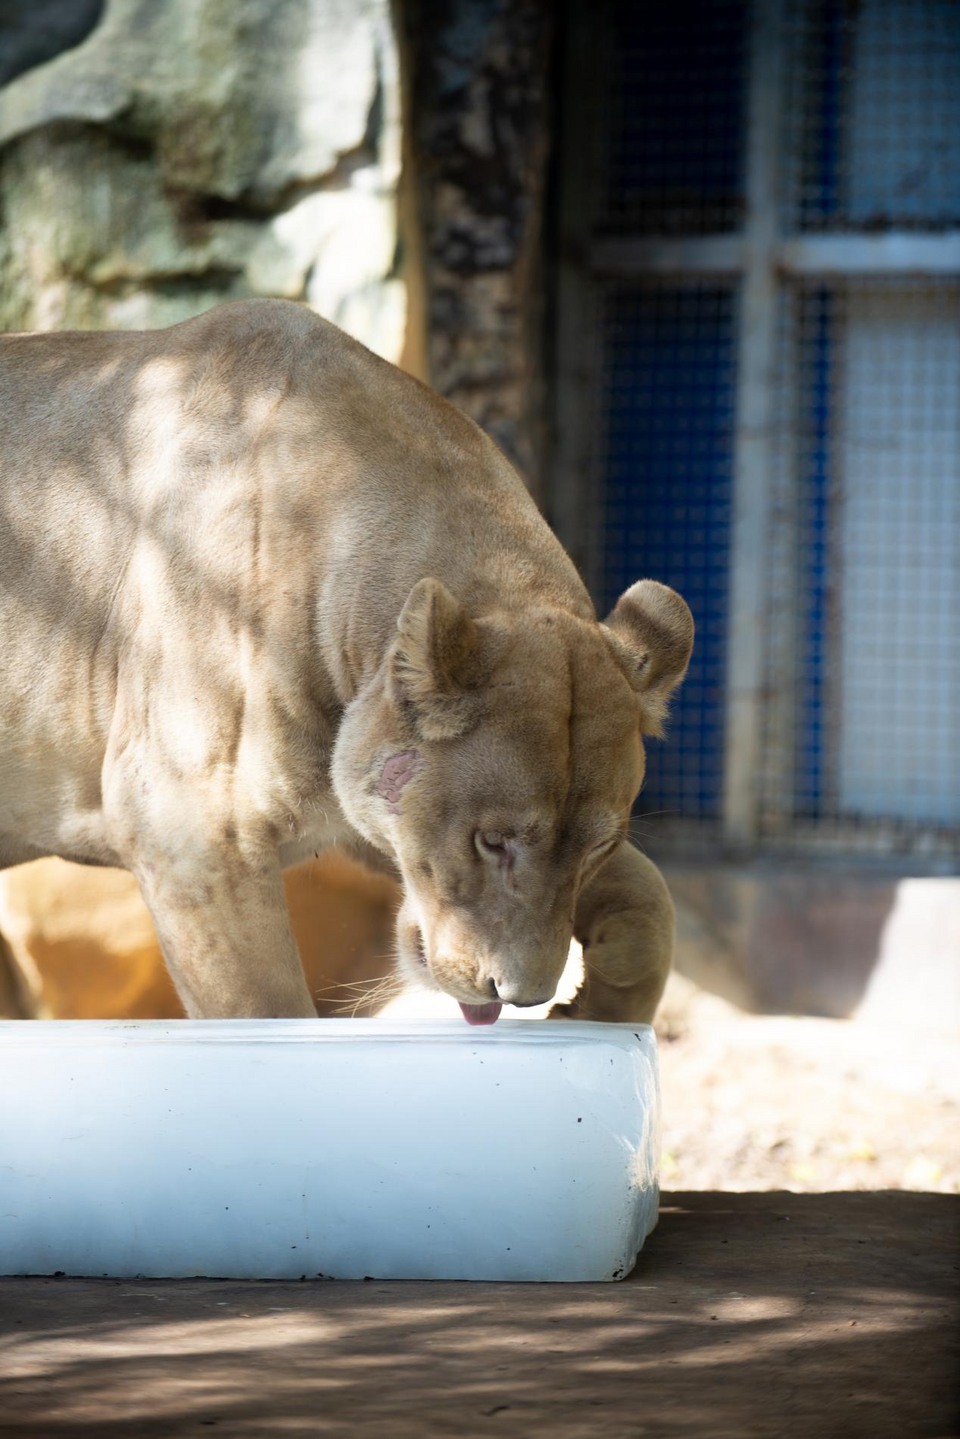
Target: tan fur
[78,943]
[263,593]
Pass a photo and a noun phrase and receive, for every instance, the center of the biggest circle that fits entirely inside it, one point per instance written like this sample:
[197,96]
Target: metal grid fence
[666,422]
[675,114]
[796,479]
[872,115]
[862,723]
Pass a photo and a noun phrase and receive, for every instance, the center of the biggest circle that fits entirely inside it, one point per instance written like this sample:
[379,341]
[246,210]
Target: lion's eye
[490,846]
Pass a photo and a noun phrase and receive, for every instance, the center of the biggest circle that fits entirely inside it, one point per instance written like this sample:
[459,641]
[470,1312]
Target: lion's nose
[510,991]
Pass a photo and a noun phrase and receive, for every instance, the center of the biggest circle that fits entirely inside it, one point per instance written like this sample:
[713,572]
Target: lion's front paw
[614,1003]
[624,922]
[611,1006]
[566,1011]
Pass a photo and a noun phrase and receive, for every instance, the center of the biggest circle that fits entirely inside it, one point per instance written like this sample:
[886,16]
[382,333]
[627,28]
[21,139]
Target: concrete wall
[782,937]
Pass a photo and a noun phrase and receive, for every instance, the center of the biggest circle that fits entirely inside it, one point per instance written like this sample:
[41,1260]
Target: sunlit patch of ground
[772,1102]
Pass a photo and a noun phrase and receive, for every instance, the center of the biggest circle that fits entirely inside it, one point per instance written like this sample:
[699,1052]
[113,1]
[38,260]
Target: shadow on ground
[748,1314]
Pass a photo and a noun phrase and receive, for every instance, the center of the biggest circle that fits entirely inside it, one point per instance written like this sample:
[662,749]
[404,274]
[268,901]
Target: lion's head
[497,759]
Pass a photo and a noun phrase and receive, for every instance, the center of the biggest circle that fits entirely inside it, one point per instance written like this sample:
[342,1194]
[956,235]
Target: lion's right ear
[651,633]
[436,665]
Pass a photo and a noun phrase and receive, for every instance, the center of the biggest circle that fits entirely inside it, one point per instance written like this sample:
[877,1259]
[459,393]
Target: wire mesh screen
[666,426]
[860,694]
[872,114]
[863,722]
[675,115]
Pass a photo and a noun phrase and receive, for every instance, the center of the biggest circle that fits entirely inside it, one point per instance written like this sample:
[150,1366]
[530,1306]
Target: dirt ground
[749,1316]
[756,1102]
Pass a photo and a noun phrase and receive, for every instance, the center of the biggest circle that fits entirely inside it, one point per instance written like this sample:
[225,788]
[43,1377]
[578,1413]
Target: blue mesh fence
[667,422]
[675,115]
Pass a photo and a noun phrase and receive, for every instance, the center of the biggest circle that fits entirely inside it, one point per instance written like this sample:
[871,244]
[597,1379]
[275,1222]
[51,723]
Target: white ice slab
[343,1148]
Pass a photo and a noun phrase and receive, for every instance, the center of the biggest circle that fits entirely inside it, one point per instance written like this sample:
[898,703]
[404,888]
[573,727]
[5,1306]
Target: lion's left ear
[436,666]
[651,633]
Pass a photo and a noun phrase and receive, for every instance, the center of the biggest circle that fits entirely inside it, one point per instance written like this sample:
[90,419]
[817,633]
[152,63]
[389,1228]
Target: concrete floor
[748,1315]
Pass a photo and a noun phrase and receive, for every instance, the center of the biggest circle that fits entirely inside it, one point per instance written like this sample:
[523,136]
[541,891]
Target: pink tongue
[481,1013]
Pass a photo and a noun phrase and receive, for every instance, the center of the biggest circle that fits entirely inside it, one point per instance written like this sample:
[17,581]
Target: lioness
[261,592]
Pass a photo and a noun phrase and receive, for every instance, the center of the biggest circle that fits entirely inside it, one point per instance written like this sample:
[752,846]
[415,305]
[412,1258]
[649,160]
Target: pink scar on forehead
[398,770]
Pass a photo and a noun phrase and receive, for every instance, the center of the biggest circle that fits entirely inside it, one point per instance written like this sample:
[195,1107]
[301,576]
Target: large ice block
[338,1148]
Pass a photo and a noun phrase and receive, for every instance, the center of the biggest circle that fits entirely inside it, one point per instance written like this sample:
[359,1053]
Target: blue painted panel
[668,414]
[675,117]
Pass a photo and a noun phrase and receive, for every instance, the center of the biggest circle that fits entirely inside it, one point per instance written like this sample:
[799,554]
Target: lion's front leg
[224,927]
[624,921]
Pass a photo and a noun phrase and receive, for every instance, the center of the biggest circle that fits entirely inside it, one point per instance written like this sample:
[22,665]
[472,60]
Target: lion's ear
[436,666]
[651,633]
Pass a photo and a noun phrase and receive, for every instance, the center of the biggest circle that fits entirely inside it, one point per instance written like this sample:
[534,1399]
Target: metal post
[754,446]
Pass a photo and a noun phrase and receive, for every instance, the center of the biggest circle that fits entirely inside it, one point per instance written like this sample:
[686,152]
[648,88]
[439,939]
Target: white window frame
[761,257]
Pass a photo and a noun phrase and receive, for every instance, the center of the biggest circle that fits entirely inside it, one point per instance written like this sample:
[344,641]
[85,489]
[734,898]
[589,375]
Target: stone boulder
[190,151]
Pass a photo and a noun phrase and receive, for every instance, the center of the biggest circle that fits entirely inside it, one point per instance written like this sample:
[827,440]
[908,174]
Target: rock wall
[478,79]
[159,156]
[185,152]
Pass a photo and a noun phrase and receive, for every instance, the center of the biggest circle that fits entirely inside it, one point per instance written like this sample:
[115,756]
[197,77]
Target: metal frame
[896,252]
[761,256]
[754,444]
